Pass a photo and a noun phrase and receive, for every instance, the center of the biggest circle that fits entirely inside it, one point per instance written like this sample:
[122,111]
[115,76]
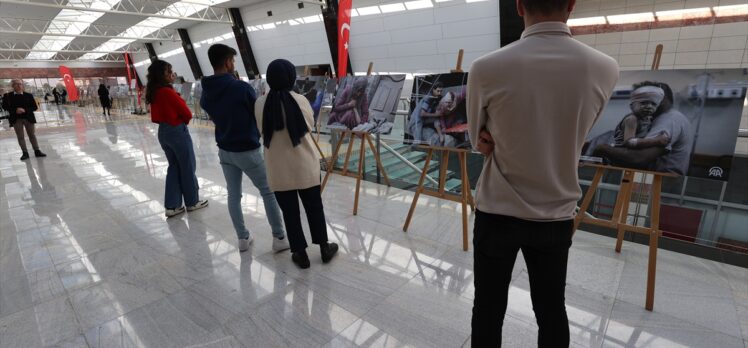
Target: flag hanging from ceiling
[67,77]
[344,32]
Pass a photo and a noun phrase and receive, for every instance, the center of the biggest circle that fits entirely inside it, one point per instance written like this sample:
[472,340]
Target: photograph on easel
[437,111]
[673,121]
[366,103]
[318,90]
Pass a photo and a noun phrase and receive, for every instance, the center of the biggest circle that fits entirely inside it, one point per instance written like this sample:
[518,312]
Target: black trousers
[311,198]
[545,246]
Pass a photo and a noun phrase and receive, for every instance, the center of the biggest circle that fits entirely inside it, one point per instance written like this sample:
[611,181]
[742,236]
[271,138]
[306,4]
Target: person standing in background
[56,94]
[171,113]
[106,101]
[530,106]
[21,106]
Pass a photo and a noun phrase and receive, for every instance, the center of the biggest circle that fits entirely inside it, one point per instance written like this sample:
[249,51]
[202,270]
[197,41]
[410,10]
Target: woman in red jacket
[171,113]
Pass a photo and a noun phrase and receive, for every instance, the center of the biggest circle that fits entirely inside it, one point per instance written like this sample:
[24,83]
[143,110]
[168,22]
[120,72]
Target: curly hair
[156,79]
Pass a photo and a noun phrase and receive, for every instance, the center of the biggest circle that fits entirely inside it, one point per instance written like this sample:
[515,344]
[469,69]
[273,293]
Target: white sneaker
[244,243]
[200,205]
[280,244]
[174,212]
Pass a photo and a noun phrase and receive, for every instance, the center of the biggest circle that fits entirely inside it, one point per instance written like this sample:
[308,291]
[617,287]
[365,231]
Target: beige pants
[19,125]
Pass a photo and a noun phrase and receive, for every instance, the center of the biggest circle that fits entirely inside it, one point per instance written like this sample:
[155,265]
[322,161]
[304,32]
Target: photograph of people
[659,140]
[351,106]
[365,103]
[437,114]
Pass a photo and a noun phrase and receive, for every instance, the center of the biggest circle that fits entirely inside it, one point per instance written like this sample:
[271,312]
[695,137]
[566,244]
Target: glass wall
[87,87]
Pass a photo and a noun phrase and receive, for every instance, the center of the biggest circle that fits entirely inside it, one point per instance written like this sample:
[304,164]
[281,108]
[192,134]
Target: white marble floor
[87,259]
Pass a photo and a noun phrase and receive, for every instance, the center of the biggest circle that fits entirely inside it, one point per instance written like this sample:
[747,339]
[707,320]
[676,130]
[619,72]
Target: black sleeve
[32,103]
[6,102]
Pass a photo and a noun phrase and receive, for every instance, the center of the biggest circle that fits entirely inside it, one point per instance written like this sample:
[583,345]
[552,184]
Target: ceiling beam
[62,57]
[10,32]
[46,27]
[63,51]
[141,8]
[86,48]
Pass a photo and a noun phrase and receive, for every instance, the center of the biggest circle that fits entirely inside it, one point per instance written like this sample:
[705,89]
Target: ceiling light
[312,19]
[579,22]
[729,11]
[389,8]
[365,11]
[703,12]
[632,18]
[416,5]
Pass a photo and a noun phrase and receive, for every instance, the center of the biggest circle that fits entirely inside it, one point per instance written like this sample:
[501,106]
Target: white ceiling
[118,20]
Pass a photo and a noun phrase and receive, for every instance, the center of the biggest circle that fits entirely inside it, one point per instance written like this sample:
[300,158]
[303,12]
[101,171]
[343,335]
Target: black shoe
[25,156]
[301,259]
[328,251]
[39,153]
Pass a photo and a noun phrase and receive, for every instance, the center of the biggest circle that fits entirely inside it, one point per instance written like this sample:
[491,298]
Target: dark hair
[544,7]
[437,84]
[156,79]
[667,102]
[218,53]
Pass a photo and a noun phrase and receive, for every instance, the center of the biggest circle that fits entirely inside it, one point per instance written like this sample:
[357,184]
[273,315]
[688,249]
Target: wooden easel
[620,216]
[619,220]
[465,198]
[359,175]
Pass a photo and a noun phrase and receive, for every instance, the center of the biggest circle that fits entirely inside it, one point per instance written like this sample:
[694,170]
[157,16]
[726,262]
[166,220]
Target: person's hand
[485,143]
[631,143]
[601,150]
[20,110]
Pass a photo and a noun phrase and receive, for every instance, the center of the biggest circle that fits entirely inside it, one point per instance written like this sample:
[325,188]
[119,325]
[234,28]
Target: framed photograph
[677,121]
[437,111]
[318,90]
[366,103]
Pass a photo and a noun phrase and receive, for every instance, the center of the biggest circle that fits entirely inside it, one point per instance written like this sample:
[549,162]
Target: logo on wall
[716,172]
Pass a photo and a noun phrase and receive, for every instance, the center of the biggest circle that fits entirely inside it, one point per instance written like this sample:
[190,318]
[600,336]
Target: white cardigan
[291,168]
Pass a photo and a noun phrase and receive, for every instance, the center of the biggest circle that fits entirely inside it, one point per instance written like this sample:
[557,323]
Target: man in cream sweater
[530,106]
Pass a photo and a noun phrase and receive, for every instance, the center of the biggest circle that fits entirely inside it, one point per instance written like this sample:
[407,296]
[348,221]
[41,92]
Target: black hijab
[281,77]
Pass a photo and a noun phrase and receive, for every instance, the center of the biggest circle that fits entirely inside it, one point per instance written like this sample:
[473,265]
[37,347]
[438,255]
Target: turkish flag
[67,77]
[344,32]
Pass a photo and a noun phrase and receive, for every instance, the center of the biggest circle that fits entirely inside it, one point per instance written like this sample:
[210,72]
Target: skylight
[70,22]
[152,24]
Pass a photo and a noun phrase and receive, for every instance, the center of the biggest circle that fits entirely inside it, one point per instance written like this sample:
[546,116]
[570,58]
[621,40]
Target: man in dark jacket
[230,103]
[21,106]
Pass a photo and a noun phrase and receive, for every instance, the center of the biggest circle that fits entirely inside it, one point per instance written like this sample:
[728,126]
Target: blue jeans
[180,177]
[253,164]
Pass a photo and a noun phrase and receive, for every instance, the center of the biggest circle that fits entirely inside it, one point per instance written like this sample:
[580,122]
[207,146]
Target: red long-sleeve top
[169,107]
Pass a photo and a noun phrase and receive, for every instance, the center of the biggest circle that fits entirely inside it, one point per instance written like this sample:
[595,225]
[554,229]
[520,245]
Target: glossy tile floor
[87,259]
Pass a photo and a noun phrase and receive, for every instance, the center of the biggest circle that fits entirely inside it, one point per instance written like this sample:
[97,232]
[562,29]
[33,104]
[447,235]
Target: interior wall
[424,40]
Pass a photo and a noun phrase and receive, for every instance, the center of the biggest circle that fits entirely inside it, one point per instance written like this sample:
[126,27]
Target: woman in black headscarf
[106,102]
[292,161]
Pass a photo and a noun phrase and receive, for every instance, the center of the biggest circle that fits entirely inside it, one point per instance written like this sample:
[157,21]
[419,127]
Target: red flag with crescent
[67,77]
[344,32]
